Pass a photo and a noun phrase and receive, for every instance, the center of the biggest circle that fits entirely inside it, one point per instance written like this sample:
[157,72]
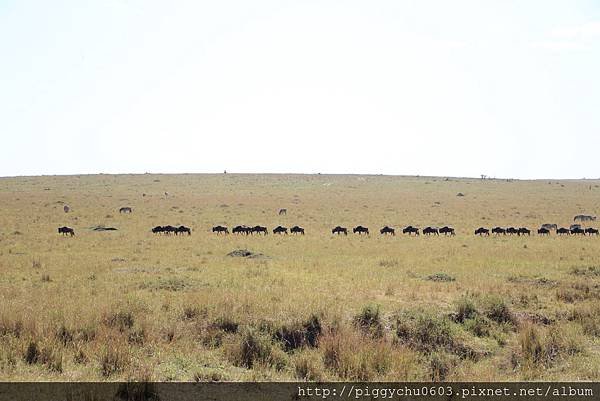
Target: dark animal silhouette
[66,208]
[387,230]
[482,231]
[563,231]
[182,230]
[297,230]
[158,230]
[498,231]
[430,231]
[549,226]
[511,231]
[282,212]
[66,231]
[220,230]
[584,217]
[125,209]
[446,230]
[339,230]
[169,229]
[259,230]
[591,231]
[280,230]
[574,226]
[524,231]
[578,231]
[360,230]
[241,230]
[410,230]
[543,231]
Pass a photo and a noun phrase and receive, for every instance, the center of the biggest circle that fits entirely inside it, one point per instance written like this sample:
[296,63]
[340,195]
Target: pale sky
[451,88]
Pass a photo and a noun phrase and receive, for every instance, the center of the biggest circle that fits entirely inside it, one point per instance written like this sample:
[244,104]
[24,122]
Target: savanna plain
[132,305]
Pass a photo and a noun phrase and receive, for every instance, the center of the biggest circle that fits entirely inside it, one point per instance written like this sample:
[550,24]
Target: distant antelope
[282,212]
[66,208]
[125,209]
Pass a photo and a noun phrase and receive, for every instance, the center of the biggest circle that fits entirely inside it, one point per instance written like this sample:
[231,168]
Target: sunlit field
[133,305]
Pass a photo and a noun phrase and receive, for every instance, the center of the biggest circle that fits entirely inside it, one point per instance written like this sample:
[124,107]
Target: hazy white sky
[504,88]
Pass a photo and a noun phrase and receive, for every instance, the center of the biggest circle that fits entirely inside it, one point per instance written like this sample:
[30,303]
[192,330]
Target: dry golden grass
[129,305]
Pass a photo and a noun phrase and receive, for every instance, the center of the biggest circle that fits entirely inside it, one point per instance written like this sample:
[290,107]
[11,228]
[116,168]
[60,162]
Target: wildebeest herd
[544,230]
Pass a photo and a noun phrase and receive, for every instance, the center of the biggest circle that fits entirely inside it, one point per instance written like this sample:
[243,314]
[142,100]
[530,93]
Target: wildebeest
[591,231]
[563,231]
[183,229]
[158,230]
[169,229]
[297,230]
[498,231]
[66,208]
[549,226]
[447,230]
[66,231]
[584,217]
[410,230]
[125,209]
[339,230]
[220,230]
[280,230]
[282,212]
[431,230]
[543,231]
[387,230]
[360,230]
[577,231]
[523,231]
[574,226]
[241,230]
[512,230]
[259,230]
[482,231]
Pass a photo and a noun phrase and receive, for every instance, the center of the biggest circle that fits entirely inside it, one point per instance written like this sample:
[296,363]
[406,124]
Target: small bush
[498,311]
[440,365]
[226,324]
[478,325]
[121,320]
[369,321]
[256,348]
[465,309]
[309,366]
[299,334]
[441,277]
[425,332]
[114,359]
[47,356]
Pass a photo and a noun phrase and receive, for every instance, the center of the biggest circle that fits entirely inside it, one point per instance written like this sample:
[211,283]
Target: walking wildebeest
[339,230]
[220,230]
[259,230]
[543,231]
[66,230]
[158,230]
[169,229]
[523,231]
[482,231]
[577,231]
[591,231]
[410,230]
[360,230]
[125,209]
[241,230]
[549,226]
[280,230]
[431,230]
[183,229]
[584,217]
[387,230]
[282,212]
[447,230]
[66,208]
[512,230]
[297,230]
[498,231]
[574,226]
[563,231]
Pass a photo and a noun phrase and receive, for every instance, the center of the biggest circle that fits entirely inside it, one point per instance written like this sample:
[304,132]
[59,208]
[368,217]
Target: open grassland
[130,305]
